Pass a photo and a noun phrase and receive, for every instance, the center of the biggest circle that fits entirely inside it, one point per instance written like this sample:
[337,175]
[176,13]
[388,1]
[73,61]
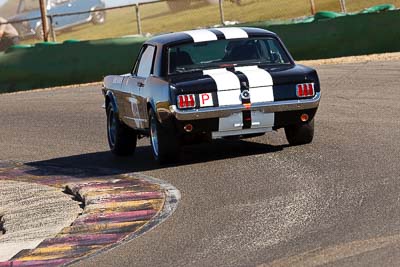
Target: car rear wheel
[163,140]
[300,134]
[98,17]
[121,139]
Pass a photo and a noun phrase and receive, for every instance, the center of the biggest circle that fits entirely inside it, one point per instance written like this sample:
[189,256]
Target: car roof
[202,34]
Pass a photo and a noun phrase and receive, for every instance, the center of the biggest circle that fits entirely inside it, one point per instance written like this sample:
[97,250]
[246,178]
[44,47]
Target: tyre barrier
[43,65]
[361,34]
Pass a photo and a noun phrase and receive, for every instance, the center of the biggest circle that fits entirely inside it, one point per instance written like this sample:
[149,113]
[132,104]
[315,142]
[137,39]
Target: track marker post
[221,11]
[312,3]
[43,13]
[138,19]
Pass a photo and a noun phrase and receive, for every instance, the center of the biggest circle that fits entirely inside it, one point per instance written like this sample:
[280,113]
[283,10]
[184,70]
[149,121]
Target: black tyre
[300,134]
[164,141]
[177,5]
[121,139]
[98,17]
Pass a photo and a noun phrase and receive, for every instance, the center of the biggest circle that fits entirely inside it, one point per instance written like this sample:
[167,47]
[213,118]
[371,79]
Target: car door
[84,5]
[67,6]
[135,84]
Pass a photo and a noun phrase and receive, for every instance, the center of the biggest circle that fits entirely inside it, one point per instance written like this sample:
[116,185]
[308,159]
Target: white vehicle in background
[29,11]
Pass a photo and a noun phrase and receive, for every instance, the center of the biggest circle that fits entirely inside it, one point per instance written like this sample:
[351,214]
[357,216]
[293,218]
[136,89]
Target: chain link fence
[98,19]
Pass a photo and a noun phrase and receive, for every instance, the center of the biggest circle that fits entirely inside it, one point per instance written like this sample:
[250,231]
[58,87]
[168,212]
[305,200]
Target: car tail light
[186,101]
[305,90]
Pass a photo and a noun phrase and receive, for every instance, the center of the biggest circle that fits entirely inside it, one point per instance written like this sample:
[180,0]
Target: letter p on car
[206,100]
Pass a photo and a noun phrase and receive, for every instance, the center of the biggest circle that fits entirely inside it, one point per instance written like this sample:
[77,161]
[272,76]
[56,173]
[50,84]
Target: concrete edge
[172,198]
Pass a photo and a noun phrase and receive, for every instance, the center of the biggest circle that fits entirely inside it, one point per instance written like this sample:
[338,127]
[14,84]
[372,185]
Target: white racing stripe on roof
[233,33]
[202,35]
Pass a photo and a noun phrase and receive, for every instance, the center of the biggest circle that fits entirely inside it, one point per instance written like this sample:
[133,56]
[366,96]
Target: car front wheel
[121,139]
[163,140]
[98,17]
[300,134]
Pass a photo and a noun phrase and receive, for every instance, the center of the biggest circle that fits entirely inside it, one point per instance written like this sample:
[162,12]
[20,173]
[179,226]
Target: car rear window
[225,53]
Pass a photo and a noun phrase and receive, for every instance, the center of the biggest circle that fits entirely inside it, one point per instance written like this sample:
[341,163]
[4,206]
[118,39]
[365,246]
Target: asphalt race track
[335,202]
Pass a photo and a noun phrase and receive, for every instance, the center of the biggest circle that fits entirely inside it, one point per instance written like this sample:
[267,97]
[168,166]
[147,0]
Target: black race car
[211,83]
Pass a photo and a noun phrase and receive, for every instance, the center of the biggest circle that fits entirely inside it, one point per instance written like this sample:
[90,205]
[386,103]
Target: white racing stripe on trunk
[228,86]
[227,98]
[233,33]
[260,83]
[261,90]
[226,80]
[202,35]
[228,91]
[257,77]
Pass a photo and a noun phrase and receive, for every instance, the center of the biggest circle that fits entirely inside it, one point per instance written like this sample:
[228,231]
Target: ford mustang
[199,85]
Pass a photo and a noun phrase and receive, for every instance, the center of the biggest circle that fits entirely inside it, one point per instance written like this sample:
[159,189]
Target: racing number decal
[206,100]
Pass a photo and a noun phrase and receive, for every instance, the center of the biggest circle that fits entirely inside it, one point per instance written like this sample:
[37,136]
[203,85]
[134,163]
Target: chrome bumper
[225,111]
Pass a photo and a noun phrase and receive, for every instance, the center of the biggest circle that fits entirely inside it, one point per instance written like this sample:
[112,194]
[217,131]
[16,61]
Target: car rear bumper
[226,111]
